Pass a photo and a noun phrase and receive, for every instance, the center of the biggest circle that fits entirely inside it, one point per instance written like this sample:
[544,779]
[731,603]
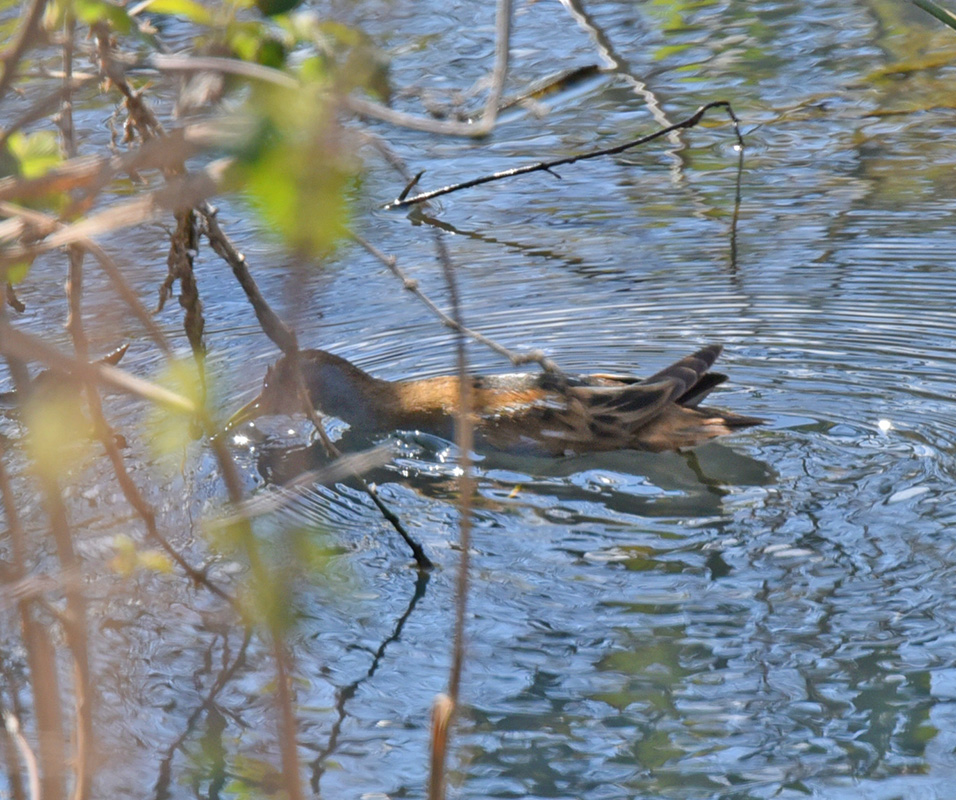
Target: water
[768,616]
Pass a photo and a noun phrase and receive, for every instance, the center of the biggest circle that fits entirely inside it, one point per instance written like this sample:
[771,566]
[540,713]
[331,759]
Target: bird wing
[623,410]
[595,417]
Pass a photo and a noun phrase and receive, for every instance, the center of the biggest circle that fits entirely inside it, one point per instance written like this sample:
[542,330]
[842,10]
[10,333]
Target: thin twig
[346,693]
[343,467]
[107,264]
[179,193]
[95,172]
[41,658]
[230,66]
[549,166]
[615,62]
[126,293]
[272,324]
[8,744]
[74,621]
[364,107]
[162,783]
[288,745]
[31,348]
[41,108]
[410,284]
[285,338]
[107,438]
[500,73]
[464,437]
[12,724]
[11,57]
[84,724]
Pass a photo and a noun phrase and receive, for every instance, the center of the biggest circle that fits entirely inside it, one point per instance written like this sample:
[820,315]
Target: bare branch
[465,439]
[44,222]
[31,348]
[177,194]
[517,359]
[548,166]
[272,325]
[11,57]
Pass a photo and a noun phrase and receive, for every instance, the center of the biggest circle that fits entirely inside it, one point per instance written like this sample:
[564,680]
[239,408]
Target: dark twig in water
[421,559]
[346,693]
[206,706]
[272,324]
[548,166]
[284,336]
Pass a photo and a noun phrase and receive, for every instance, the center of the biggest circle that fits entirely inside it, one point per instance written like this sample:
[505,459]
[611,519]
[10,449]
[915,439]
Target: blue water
[768,616]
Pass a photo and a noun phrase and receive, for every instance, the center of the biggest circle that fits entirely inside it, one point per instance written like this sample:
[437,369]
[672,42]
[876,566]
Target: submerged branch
[548,166]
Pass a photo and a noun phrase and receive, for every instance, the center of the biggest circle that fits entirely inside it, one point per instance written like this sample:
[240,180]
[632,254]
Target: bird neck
[340,389]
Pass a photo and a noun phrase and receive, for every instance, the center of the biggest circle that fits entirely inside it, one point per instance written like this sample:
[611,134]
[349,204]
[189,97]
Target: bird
[49,382]
[547,414]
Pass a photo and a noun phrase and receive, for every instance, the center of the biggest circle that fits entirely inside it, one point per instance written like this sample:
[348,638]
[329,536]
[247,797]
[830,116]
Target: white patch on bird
[550,433]
[549,402]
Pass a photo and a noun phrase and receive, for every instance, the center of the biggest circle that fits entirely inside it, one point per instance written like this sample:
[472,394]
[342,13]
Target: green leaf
[57,439]
[128,558]
[18,271]
[173,431]
[273,7]
[255,42]
[314,70]
[35,153]
[301,170]
[92,11]
[188,9]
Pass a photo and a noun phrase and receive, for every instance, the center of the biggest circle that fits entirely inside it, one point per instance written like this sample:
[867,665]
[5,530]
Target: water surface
[768,616]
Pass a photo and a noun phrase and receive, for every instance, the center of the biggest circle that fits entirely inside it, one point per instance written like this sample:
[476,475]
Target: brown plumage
[542,413]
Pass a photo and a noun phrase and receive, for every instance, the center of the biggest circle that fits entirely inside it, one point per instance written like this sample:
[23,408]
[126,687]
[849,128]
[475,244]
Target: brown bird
[543,414]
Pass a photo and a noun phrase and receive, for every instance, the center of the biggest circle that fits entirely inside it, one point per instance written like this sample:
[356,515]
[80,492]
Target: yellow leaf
[188,9]
[36,153]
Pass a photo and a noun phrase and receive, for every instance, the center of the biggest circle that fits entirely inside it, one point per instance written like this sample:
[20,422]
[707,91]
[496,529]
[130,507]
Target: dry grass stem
[31,348]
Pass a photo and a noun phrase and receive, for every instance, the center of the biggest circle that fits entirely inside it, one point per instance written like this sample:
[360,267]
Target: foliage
[258,114]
